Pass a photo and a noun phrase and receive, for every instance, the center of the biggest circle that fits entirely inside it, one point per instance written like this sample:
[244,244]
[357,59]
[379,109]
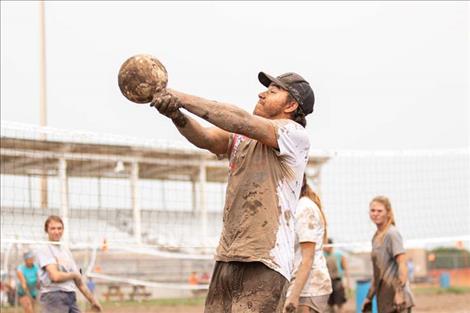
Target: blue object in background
[362,287]
[444,280]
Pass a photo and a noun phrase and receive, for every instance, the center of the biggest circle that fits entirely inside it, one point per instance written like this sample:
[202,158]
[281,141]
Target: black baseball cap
[296,85]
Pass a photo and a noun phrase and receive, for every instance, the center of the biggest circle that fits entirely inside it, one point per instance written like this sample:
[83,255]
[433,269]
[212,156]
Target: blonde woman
[390,283]
[311,286]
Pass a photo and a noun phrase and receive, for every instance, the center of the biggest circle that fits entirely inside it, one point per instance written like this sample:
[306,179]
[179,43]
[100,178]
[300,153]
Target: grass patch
[156,302]
[152,303]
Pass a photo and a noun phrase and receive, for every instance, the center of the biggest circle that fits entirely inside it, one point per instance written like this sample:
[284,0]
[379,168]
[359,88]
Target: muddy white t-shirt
[262,194]
[309,228]
[55,254]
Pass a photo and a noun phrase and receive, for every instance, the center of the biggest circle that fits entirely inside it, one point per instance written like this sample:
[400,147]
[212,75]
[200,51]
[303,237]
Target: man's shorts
[243,287]
[59,302]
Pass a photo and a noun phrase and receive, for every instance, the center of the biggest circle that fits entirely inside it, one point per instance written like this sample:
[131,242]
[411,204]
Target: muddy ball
[141,76]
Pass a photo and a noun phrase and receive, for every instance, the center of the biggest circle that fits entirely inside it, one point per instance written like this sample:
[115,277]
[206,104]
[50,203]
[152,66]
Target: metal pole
[42,93]
[193,195]
[99,193]
[136,202]
[30,191]
[64,199]
[202,198]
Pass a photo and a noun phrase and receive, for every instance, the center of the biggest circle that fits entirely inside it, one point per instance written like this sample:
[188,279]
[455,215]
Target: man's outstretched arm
[210,138]
[225,116]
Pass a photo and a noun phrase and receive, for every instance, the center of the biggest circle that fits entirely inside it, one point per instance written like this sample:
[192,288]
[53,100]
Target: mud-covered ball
[141,76]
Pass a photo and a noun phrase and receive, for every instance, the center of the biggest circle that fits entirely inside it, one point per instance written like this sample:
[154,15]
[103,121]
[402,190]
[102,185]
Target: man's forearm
[192,130]
[60,277]
[223,115]
[84,290]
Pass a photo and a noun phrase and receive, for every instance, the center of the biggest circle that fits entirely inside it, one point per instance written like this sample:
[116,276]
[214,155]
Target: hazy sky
[387,75]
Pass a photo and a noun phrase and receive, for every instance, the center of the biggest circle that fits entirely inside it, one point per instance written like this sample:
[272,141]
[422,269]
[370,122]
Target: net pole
[202,197]
[64,199]
[135,202]
[42,93]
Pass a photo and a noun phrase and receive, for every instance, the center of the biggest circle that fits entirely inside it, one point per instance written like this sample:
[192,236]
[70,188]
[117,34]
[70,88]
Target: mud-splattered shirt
[309,228]
[60,255]
[385,269]
[262,194]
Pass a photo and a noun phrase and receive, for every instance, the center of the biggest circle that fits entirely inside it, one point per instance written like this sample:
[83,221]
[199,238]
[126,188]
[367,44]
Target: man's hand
[291,304]
[167,104]
[96,306]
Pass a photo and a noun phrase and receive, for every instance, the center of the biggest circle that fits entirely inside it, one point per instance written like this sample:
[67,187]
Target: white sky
[390,75]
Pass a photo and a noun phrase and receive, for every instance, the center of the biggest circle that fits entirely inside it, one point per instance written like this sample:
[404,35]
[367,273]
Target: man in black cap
[267,152]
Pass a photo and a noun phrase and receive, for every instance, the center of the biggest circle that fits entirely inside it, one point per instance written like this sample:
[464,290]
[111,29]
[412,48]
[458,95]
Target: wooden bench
[139,293]
[114,291]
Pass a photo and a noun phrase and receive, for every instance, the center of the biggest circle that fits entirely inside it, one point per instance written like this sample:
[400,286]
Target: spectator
[338,269]
[193,279]
[411,269]
[310,287]
[59,275]
[28,283]
[390,281]
[205,278]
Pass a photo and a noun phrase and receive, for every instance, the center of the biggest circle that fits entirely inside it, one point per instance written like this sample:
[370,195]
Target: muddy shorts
[59,302]
[244,287]
[317,304]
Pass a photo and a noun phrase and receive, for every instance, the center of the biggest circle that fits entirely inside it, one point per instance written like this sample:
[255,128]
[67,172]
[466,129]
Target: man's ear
[291,106]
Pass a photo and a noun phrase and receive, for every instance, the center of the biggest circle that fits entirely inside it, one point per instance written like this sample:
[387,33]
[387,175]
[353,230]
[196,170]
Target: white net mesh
[164,201]
[429,192]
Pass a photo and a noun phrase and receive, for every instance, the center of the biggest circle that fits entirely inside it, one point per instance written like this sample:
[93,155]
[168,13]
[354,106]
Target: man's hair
[51,218]
[298,115]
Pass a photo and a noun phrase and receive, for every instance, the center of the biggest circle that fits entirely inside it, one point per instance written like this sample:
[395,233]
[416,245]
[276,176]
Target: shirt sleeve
[396,243]
[227,155]
[308,224]
[292,140]
[44,257]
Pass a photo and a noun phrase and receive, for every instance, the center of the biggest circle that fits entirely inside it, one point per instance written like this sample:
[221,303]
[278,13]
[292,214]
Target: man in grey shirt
[59,275]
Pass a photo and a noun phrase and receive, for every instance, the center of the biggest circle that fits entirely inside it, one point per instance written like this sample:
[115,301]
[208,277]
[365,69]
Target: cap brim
[267,80]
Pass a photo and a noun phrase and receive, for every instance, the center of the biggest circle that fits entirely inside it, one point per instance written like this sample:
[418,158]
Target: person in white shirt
[59,275]
[311,284]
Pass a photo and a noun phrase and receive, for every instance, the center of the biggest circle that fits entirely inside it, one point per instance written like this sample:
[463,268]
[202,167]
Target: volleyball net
[143,203]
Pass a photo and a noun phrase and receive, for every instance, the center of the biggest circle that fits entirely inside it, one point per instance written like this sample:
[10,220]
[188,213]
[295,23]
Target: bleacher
[30,227]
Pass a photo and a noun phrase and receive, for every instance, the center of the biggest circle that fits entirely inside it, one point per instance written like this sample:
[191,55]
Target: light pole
[42,94]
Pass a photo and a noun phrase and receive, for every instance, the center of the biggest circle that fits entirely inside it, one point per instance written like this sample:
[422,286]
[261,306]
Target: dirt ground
[435,303]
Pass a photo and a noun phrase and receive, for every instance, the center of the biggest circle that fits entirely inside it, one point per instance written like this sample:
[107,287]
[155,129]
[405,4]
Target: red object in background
[458,276]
